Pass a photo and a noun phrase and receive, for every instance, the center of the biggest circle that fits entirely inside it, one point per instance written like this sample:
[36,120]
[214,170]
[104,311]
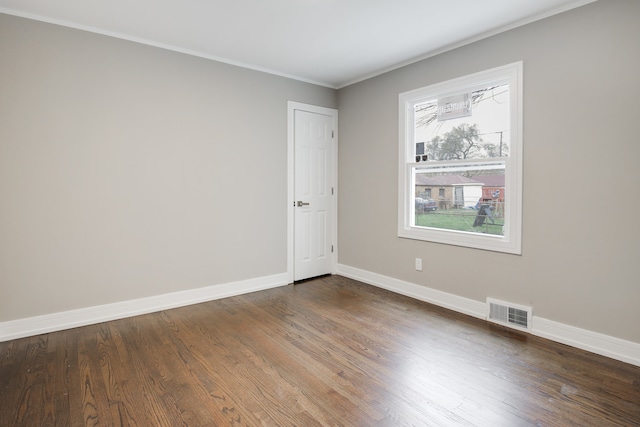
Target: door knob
[301,203]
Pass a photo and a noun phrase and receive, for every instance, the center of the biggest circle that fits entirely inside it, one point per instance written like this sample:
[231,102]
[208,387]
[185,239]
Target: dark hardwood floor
[329,352]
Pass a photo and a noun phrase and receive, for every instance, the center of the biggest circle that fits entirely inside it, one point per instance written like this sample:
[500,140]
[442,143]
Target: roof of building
[496,180]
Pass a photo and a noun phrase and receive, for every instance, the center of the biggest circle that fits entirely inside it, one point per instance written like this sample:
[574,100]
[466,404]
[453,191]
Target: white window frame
[511,240]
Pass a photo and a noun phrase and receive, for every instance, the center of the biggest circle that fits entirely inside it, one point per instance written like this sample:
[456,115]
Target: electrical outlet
[419,264]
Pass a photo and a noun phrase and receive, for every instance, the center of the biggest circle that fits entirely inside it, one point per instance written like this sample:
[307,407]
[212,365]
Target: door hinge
[331,248]
[332,134]
[332,191]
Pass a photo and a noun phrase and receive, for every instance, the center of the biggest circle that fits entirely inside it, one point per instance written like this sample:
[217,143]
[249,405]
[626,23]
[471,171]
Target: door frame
[292,106]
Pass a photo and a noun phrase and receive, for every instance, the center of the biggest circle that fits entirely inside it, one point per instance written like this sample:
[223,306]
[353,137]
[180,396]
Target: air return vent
[509,314]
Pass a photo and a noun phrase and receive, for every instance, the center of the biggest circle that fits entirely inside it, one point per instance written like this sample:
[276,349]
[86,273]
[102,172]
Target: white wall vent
[509,314]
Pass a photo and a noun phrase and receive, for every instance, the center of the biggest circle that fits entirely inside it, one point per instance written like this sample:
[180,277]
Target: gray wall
[581,233]
[125,171]
[128,171]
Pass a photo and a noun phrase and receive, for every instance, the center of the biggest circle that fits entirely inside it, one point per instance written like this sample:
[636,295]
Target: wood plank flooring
[327,352]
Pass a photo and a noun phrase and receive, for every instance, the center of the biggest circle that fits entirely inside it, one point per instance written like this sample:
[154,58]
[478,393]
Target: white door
[313,194]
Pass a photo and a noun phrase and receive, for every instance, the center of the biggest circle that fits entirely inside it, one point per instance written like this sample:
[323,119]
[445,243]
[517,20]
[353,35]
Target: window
[463,139]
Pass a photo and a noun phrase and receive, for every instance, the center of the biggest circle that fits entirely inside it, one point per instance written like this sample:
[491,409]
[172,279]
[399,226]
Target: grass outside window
[459,220]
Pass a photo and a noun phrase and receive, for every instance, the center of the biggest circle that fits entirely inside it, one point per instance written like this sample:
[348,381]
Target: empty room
[319,213]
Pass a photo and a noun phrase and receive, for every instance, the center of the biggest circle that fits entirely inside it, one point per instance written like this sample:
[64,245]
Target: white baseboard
[36,325]
[605,345]
[615,348]
[422,293]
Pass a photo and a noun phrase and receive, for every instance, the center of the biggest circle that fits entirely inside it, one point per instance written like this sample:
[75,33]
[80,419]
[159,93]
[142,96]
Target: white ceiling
[329,42]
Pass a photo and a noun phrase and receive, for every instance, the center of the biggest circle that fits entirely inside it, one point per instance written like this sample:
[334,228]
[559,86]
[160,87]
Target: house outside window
[463,138]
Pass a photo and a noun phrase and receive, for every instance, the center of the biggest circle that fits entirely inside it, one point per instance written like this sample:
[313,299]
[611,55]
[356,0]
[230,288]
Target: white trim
[341,85]
[36,325]
[468,41]
[433,296]
[511,241]
[140,40]
[292,106]
[604,345]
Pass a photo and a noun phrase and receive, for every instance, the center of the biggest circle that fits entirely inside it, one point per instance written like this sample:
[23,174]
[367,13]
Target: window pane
[471,197]
[469,125]
[461,145]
